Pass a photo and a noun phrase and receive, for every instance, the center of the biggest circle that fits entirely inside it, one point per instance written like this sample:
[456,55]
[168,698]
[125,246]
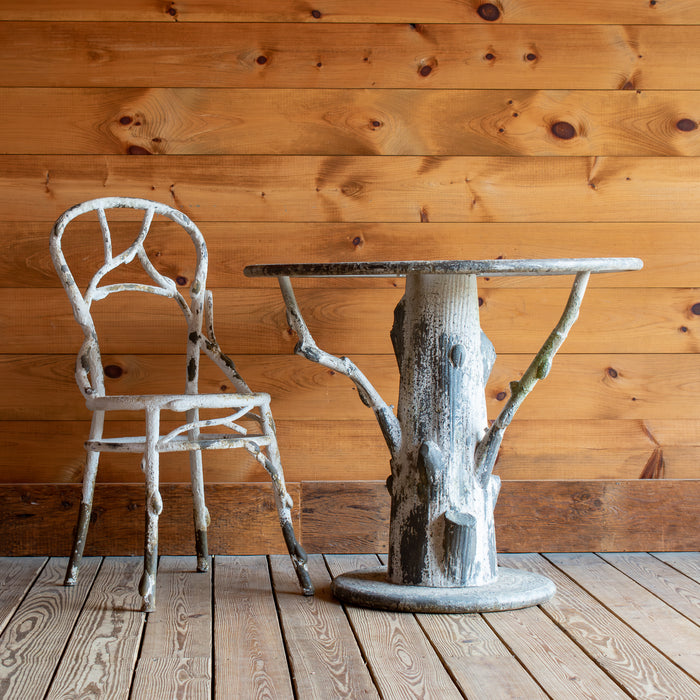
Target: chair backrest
[89,371]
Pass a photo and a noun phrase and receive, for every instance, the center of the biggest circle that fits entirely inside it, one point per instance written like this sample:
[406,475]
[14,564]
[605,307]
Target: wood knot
[695,309]
[316,14]
[181,280]
[138,151]
[126,120]
[261,60]
[563,130]
[686,125]
[612,372]
[489,12]
[113,371]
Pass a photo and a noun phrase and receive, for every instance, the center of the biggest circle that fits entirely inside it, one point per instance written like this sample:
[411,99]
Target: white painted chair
[244,404]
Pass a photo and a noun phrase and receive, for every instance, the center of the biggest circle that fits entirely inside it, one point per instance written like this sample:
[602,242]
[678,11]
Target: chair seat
[174,402]
[181,443]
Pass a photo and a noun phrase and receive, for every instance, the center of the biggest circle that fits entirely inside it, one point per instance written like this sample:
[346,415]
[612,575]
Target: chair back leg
[283,500]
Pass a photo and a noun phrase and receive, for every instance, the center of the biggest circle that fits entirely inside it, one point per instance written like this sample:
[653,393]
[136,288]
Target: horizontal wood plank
[355,450]
[605,386]
[675,264]
[364,188]
[41,518]
[350,517]
[510,11]
[408,55]
[352,322]
[195,121]
[570,515]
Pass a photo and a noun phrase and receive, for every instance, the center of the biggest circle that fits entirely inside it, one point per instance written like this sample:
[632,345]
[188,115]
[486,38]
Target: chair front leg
[85,511]
[201,514]
[154,507]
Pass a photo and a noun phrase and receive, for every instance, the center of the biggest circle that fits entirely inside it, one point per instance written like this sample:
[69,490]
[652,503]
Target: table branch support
[306,347]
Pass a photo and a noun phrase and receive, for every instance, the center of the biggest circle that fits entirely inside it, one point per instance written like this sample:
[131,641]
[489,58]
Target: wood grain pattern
[232,245]
[33,641]
[557,664]
[664,582]
[250,656]
[606,386]
[18,574]
[670,632]
[347,517]
[627,657]
[477,659]
[513,11]
[109,626]
[685,562]
[490,56]
[41,518]
[364,188]
[403,663]
[355,450]
[317,635]
[183,121]
[530,515]
[253,321]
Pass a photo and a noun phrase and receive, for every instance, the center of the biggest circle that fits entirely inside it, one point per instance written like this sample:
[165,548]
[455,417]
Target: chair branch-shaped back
[197,311]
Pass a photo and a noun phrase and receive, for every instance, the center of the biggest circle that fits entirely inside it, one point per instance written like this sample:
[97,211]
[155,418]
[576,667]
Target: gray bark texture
[442,530]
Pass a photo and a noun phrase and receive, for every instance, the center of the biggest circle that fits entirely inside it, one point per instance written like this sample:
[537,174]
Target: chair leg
[201,514]
[154,507]
[89,476]
[273,465]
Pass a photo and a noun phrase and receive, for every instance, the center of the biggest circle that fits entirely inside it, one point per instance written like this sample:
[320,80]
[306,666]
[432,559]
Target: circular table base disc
[513,589]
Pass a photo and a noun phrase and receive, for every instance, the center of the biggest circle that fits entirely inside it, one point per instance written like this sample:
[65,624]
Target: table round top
[492,268]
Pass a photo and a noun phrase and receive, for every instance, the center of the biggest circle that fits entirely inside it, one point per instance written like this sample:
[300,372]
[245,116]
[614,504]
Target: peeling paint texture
[89,373]
[442,449]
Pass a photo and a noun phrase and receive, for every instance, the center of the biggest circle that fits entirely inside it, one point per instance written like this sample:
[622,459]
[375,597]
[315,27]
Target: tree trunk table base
[512,589]
[442,545]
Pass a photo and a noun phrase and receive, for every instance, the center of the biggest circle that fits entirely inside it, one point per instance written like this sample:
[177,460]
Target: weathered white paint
[198,314]
[442,449]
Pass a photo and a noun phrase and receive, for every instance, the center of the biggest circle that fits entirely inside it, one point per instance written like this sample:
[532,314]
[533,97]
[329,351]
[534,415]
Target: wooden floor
[620,625]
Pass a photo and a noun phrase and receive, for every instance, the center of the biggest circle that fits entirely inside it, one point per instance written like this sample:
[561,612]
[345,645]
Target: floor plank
[175,657]
[663,581]
[400,657]
[18,573]
[556,662]
[685,562]
[35,637]
[323,654]
[619,626]
[100,658]
[670,632]
[634,663]
[481,665]
[250,660]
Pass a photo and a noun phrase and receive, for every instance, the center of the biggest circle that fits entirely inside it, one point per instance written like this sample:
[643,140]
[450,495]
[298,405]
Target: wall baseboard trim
[351,517]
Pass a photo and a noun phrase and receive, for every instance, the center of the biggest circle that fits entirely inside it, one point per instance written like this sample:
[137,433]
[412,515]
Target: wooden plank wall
[376,129]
